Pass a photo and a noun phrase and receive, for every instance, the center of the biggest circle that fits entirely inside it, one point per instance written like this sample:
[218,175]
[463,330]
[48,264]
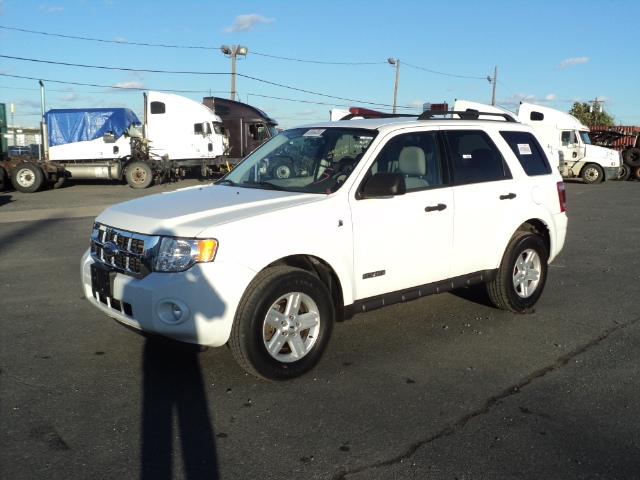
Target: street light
[395,63]
[233,52]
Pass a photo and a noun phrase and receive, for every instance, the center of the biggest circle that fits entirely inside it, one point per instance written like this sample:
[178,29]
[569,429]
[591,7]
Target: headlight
[178,254]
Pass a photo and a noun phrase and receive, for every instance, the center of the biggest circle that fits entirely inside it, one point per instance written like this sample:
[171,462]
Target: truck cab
[247,127]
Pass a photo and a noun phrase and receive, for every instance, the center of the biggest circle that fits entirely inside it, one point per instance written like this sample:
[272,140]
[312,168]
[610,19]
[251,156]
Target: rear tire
[636,173]
[522,274]
[283,324]
[139,175]
[592,173]
[27,177]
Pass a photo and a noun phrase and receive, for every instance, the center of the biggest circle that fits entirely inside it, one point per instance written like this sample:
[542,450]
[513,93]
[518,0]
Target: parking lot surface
[443,387]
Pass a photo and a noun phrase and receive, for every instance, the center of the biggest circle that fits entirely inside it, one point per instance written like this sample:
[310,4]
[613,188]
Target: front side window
[528,151]
[416,156]
[568,138]
[311,160]
[475,158]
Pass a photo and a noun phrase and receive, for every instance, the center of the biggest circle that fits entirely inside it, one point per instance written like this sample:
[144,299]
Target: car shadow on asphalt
[475,293]
[174,395]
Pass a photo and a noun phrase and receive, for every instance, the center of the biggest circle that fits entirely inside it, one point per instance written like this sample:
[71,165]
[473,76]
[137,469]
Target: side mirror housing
[384,185]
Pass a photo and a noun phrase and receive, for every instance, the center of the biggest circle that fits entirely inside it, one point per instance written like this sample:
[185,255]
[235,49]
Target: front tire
[283,324]
[27,177]
[624,173]
[632,157]
[139,175]
[522,274]
[592,173]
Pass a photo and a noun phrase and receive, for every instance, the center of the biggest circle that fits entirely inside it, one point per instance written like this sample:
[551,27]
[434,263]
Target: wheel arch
[327,275]
[539,228]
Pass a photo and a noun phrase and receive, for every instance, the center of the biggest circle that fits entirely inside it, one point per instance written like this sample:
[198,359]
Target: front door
[404,241]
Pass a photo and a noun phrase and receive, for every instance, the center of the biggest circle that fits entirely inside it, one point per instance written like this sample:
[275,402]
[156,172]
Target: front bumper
[611,173]
[196,306]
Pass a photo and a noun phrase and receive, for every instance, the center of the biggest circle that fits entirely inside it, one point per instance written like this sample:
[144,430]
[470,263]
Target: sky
[306,57]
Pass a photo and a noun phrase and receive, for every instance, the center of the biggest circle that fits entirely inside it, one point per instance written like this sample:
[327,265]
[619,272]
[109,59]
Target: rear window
[529,152]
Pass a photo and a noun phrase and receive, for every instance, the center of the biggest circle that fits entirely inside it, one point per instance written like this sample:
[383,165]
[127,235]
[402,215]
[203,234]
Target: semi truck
[561,132]
[178,135]
[246,127]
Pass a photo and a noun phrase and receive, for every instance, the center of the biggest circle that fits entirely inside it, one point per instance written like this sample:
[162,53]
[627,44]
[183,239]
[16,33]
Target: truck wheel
[592,173]
[3,179]
[636,173]
[624,173]
[282,169]
[139,175]
[632,157]
[27,177]
[283,324]
[521,275]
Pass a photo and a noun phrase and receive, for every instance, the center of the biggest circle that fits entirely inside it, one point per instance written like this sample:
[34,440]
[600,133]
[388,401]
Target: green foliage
[591,114]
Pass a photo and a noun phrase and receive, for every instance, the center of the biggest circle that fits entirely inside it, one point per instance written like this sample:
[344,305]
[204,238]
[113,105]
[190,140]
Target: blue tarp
[79,125]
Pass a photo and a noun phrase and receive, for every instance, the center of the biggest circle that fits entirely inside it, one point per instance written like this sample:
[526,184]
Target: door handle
[436,208]
[510,196]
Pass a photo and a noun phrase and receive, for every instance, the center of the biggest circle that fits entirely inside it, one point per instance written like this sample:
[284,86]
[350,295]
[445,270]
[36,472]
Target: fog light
[172,311]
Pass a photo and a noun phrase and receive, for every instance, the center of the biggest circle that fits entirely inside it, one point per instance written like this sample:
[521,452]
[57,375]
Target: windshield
[273,130]
[310,160]
[584,136]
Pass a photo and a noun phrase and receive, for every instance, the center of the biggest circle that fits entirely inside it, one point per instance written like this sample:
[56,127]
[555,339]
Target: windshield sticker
[315,132]
[524,149]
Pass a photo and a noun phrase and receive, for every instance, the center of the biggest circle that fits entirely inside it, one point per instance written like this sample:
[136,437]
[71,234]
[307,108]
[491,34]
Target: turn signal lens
[206,250]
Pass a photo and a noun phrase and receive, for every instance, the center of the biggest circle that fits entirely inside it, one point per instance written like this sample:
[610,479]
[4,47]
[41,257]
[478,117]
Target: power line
[441,73]
[182,73]
[120,42]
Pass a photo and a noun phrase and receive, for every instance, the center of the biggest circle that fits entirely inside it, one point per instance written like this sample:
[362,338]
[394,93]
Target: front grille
[127,252]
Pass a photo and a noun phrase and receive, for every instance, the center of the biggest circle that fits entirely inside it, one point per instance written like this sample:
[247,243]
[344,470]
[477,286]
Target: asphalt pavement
[445,387]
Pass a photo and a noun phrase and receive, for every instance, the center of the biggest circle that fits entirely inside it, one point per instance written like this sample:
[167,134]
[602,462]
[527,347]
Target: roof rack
[468,114]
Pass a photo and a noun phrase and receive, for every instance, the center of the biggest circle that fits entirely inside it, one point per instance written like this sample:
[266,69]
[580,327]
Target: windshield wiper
[269,185]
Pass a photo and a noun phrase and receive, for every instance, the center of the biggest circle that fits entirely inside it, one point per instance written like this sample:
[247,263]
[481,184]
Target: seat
[412,164]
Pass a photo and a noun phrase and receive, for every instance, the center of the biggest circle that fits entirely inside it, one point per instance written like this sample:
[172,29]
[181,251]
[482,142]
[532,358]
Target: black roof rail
[468,114]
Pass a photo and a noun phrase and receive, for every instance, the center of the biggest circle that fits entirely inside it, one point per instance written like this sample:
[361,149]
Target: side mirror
[384,185]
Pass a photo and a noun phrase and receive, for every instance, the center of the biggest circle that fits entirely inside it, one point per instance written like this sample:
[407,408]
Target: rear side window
[475,157]
[529,152]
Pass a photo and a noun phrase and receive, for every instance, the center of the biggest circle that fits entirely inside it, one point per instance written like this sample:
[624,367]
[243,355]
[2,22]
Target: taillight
[562,196]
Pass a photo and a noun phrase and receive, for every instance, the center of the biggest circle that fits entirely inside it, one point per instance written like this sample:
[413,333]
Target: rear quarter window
[529,152]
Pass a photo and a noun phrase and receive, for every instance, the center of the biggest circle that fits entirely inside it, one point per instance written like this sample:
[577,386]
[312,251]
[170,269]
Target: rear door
[484,194]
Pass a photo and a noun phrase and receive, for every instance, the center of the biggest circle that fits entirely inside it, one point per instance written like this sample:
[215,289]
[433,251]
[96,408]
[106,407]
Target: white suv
[327,221]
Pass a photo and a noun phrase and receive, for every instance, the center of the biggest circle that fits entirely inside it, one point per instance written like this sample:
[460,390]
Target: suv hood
[188,211]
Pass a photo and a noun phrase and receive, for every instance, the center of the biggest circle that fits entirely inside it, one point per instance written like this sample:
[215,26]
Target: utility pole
[493,80]
[395,63]
[595,109]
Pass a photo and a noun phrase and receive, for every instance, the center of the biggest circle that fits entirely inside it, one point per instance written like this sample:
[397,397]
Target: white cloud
[244,23]
[549,98]
[50,9]
[120,40]
[308,111]
[415,103]
[131,84]
[570,62]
